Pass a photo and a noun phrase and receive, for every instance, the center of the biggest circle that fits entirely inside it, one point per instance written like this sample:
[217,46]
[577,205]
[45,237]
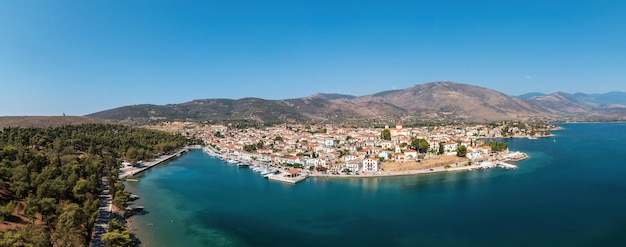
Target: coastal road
[105,213]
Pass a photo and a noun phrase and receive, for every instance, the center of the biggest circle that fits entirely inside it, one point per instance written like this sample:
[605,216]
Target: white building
[450,148]
[433,144]
[386,145]
[384,155]
[410,154]
[370,165]
[349,157]
[353,166]
[329,142]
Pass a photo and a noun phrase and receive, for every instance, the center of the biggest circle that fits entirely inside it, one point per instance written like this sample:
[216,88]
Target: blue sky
[80,57]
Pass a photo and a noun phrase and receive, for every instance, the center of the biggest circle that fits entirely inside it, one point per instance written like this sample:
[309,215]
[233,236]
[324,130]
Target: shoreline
[519,137]
[135,230]
[437,169]
[131,171]
[128,222]
[209,214]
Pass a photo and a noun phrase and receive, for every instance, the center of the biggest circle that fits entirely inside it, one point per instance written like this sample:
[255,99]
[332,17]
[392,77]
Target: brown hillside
[460,100]
[562,103]
[45,121]
[435,101]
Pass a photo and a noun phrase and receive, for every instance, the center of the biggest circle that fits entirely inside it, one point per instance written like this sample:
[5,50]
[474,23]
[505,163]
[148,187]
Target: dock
[131,171]
[212,151]
[506,165]
[515,156]
[285,179]
[292,176]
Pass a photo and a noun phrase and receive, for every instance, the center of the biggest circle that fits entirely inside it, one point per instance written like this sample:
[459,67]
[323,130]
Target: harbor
[291,175]
[266,169]
[338,154]
[128,170]
[283,174]
[227,205]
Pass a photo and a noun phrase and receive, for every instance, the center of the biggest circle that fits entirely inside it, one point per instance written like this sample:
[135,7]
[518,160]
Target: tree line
[52,176]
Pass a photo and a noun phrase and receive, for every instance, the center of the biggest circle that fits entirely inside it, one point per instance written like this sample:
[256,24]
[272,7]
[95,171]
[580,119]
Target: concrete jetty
[292,176]
[126,172]
[506,165]
[285,179]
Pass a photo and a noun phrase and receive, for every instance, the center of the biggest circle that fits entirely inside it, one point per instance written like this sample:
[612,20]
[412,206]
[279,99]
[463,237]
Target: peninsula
[336,151]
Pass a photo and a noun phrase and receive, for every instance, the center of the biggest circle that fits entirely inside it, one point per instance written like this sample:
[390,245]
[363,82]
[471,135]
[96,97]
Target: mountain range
[593,99]
[435,101]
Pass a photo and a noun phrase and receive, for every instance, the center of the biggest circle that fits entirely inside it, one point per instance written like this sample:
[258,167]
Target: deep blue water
[571,192]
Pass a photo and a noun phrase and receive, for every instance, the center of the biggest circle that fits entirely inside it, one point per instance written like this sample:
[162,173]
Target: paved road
[105,213]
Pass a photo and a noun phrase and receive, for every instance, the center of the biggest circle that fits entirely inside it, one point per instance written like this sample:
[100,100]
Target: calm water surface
[571,192]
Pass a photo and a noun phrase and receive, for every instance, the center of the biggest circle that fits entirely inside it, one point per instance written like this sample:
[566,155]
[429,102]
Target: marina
[273,172]
[265,169]
[231,206]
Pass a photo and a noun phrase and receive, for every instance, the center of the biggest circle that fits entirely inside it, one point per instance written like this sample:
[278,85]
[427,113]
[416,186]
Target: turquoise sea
[571,192]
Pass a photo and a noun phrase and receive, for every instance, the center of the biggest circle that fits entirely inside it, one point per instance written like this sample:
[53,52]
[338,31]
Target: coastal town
[291,153]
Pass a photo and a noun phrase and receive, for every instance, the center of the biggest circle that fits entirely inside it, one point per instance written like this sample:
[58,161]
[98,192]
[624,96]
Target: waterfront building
[410,154]
[370,165]
[353,165]
[450,147]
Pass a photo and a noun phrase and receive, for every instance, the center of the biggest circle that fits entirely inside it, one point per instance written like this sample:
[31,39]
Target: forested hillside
[51,178]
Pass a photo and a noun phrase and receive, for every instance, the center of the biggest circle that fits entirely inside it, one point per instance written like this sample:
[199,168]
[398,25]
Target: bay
[570,192]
